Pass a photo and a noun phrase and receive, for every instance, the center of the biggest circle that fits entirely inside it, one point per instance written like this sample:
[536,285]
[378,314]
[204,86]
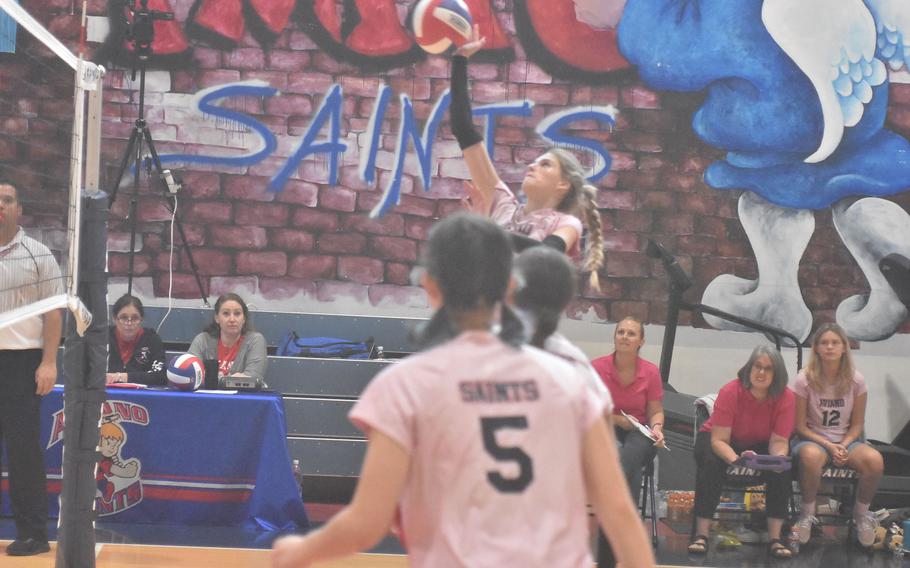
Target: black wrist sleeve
[460,117]
[556,242]
[521,242]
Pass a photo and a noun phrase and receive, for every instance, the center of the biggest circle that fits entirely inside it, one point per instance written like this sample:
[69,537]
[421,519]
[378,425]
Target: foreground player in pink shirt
[488,450]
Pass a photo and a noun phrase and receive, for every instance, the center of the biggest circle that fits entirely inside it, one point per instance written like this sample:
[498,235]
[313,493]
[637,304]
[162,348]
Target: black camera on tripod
[138,22]
[141,31]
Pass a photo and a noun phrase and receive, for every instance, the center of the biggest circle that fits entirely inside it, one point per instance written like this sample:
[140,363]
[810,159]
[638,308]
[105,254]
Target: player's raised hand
[474,45]
[475,201]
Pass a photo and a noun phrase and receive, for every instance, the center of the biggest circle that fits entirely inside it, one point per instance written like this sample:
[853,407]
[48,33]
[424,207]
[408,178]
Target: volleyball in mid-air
[437,24]
[185,372]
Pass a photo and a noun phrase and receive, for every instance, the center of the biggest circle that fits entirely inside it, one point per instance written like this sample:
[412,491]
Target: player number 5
[489,426]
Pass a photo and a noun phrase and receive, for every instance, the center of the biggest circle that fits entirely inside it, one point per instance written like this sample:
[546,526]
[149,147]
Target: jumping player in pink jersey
[489,451]
[554,186]
[830,415]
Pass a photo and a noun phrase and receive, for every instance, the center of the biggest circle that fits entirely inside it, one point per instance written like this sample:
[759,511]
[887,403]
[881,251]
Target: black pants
[635,450]
[20,417]
[711,473]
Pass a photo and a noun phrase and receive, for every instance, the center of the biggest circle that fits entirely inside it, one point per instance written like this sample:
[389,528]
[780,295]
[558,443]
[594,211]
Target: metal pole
[666,350]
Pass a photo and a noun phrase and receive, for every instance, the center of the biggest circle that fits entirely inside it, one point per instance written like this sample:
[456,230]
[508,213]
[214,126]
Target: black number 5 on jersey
[489,426]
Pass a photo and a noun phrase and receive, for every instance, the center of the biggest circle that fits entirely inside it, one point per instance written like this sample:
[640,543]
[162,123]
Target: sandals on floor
[778,549]
[698,544]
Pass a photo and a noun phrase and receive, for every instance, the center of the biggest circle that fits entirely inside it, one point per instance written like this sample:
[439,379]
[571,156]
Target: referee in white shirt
[28,369]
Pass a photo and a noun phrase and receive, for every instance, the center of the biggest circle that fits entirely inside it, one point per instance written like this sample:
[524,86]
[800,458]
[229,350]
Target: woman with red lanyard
[135,353]
[230,339]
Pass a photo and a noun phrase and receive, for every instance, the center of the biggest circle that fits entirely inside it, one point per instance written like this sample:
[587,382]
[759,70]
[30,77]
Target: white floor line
[185,546]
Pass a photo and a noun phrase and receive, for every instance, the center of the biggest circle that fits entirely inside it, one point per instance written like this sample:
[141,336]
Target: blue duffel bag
[326,347]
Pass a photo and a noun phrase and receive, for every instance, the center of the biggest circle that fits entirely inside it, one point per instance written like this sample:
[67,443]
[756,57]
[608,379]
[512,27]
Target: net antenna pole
[141,32]
[84,357]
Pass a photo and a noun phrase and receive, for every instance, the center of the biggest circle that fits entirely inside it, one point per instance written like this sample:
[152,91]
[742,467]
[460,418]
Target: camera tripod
[142,34]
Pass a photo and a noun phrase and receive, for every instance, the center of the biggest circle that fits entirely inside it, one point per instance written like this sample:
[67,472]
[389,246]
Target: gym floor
[153,546]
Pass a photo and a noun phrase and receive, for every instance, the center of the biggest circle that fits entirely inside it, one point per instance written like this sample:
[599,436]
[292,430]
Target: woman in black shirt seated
[135,353]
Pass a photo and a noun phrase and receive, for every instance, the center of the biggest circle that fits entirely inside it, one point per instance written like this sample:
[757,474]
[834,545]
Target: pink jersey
[495,439]
[828,413]
[508,213]
[559,344]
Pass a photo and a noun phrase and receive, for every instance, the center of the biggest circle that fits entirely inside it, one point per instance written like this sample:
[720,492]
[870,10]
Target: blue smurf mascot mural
[796,94]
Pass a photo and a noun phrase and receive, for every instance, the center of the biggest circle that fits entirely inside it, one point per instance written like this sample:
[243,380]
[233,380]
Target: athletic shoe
[27,547]
[804,526]
[865,529]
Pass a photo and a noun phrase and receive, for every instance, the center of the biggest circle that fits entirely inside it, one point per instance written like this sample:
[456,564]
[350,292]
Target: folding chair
[649,493]
[605,557]
[841,483]
[739,478]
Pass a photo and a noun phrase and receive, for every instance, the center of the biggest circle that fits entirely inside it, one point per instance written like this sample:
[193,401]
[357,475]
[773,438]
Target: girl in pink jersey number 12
[830,417]
[488,450]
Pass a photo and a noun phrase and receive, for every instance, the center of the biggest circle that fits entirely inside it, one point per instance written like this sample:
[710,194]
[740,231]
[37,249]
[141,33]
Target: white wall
[705,359]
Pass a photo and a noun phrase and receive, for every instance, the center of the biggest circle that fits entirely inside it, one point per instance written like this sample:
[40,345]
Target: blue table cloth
[185,458]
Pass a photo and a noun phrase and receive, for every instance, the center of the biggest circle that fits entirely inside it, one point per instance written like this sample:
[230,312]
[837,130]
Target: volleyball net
[50,112]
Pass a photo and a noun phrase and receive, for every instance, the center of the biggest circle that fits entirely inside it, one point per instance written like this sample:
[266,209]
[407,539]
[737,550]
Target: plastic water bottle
[298,475]
[662,504]
[794,539]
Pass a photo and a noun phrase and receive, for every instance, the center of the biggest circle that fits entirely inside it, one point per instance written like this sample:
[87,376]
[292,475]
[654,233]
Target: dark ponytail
[546,323]
[546,284]
[511,332]
[440,328]
[435,331]
[470,259]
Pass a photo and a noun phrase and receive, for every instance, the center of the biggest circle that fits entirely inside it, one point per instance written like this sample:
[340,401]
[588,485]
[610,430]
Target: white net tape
[42,144]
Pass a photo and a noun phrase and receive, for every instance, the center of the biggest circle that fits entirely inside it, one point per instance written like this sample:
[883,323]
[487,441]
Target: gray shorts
[799,443]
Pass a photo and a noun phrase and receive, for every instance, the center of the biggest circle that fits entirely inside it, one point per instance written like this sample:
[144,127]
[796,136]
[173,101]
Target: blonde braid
[594,251]
[581,200]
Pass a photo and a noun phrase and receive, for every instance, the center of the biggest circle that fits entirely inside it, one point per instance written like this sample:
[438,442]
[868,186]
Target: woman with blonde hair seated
[830,414]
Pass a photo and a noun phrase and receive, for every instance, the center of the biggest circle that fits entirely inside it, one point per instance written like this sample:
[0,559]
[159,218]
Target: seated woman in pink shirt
[487,450]
[637,389]
[753,414]
[830,414]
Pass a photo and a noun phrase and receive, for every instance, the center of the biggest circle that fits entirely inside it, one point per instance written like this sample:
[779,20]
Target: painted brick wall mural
[313,144]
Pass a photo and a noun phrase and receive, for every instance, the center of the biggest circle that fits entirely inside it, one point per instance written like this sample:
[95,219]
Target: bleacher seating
[317,393]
